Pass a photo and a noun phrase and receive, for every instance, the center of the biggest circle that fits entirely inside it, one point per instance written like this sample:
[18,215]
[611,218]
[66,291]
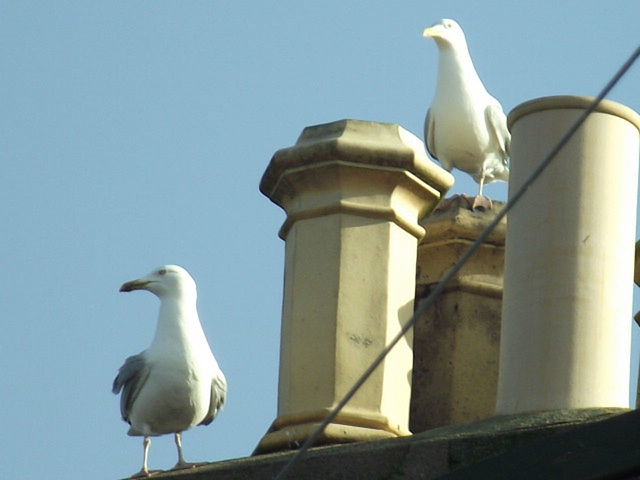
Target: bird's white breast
[177,394]
[461,137]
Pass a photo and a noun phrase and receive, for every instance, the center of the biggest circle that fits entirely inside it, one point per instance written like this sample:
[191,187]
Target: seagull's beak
[134,285]
[431,32]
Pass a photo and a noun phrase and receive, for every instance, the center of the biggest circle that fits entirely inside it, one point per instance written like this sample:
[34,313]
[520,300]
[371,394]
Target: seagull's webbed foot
[145,472]
[446,202]
[468,199]
[481,203]
[182,465]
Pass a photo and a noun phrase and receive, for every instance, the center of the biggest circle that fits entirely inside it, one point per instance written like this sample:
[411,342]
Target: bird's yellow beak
[430,32]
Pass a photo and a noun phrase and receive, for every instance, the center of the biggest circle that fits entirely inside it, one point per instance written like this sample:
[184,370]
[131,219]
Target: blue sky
[134,134]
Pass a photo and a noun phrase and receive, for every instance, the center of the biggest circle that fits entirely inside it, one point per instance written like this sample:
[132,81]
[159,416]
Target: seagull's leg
[181,465]
[145,472]
[481,202]
[481,184]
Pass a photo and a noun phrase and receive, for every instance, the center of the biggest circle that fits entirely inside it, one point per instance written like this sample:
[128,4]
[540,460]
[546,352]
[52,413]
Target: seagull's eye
[162,271]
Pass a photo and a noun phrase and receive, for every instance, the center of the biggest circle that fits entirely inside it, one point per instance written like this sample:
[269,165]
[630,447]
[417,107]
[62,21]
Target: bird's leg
[144,471]
[181,465]
[481,202]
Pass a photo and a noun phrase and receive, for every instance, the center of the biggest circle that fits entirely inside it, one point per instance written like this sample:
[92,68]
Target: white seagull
[176,383]
[465,127]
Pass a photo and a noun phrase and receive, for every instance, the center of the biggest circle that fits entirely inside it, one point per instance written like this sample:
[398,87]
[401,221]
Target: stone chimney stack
[566,321]
[354,193]
[457,341]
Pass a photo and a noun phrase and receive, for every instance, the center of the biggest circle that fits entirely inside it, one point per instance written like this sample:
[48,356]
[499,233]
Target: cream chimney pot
[566,320]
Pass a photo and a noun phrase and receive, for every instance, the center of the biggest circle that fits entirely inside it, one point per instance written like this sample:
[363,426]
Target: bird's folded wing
[130,379]
[497,126]
[218,398]
[429,131]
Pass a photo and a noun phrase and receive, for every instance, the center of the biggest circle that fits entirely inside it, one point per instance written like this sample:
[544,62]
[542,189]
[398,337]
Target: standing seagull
[176,383]
[465,127]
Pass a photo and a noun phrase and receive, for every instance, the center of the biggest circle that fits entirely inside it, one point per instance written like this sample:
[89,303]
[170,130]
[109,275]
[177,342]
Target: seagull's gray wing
[497,126]
[130,379]
[429,132]
[218,398]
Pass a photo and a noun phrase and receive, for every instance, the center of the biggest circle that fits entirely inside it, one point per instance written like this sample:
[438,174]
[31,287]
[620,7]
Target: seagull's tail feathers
[502,174]
[493,172]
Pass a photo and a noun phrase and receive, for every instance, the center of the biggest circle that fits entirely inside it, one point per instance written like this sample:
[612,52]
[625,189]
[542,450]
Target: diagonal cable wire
[424,305]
